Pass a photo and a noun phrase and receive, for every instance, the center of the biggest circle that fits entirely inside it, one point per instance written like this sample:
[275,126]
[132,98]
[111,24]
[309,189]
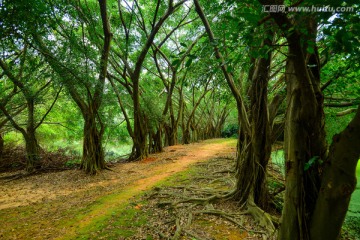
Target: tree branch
[48,111]
[240,103]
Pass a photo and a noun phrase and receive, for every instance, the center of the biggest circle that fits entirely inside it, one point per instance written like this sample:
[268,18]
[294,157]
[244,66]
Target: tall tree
[90,98]
[132,66]
[254,143]
[22,76]
[305,146]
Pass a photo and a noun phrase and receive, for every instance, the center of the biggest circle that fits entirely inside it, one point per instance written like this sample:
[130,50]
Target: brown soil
[47,206]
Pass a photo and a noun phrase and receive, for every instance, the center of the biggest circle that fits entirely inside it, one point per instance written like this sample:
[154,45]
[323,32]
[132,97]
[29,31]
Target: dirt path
[63,205]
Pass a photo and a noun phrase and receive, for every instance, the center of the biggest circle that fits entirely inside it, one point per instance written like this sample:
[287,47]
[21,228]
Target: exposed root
[205,199]
[224,179]
[231,218]
[194,235]
[263,218]
[33,173]
[177,233]
[230,171]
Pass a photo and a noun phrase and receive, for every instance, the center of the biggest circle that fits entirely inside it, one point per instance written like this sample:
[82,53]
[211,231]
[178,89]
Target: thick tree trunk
[140,145]
[140,141]
[277,128]
[186,136]
[156,141]
[170,135]
[338,183]
[31,144]
[194,133]
[244,169]
[32,152]
[93,154]
[256,148]
[304,128]
[304,139]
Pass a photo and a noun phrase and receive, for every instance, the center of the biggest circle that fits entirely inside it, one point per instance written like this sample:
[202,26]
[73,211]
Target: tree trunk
[31,145]
[32,152]
[156,141]
[304,137]
[194,133]
[93,154]
[338,183]
[140,149]
[244,169]
[255,149]
[170,135]
[186,136]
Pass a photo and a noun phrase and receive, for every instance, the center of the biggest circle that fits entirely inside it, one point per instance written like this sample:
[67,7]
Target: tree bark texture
[338,183]
[93,154]
[304,134]
[31,144]
[255,152]
[170,135]
[140,141]
[156,141]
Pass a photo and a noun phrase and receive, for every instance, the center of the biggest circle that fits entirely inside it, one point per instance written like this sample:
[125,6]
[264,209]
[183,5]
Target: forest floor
[169,195]
[124,203]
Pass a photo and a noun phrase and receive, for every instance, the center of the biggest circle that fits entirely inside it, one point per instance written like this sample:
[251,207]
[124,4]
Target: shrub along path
[70,204]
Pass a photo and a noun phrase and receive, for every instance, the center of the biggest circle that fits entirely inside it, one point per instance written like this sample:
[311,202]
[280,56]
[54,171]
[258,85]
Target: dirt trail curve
[53,194]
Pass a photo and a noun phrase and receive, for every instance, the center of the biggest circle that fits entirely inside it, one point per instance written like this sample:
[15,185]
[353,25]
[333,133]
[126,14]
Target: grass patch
[122,220]
[178,178]
[122,223]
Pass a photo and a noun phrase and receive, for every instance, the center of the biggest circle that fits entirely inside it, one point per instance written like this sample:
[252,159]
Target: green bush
[230,130]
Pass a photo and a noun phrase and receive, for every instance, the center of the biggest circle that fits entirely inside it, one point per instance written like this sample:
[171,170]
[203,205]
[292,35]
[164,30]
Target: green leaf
[188,62]
[181,53]
[175,62]
[311,162]
[192,56]
[229,69]
[310,49]
[183,44]
[214,43]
